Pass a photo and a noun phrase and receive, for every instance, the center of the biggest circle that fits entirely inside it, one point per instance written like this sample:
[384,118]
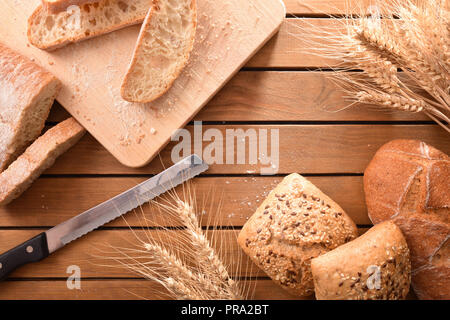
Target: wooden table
[278,88]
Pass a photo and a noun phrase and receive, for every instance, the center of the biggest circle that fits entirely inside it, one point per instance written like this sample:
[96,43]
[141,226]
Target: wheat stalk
[184,262]
[396,45]
[404,54]
[208,259]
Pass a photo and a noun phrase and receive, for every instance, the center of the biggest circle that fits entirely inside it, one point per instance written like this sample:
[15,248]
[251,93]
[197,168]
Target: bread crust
[124,90]
[59,43]
[27,92]
[296,222]
[37,158]
[408,181]
[58,6]
[351,271]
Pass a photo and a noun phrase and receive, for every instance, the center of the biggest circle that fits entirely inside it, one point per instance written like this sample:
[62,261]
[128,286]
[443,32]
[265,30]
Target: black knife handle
[33,250]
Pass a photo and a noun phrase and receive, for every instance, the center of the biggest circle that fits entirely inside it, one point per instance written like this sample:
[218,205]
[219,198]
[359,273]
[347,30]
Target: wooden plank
[321,7]
[263,289]
[308,149]
[93,253]
[288,48]
[283,96]
[293,46]
[135,289]
[53,200]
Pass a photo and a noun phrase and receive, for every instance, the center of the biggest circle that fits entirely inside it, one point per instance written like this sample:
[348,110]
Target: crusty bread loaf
[374,266]
[297,222]
[51,31]
[37,158]
[162,51]
[408,181]
[27,93]
[57,6]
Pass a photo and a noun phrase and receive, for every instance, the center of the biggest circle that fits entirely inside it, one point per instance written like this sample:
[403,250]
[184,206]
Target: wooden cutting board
[229,33]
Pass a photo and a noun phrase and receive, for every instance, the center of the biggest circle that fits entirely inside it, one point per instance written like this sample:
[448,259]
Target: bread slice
[374,266]
[297,222]
[57,6]
[52,31]
[27,93]
[37,158]
[162,51]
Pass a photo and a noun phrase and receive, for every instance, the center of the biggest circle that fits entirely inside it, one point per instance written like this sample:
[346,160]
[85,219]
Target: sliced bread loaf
[52,31]
[162,51]
[27,93]
[56,6]
[37,158]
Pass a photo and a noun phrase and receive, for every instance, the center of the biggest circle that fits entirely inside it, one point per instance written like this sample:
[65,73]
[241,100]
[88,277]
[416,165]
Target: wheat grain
[391,101]
[382,71]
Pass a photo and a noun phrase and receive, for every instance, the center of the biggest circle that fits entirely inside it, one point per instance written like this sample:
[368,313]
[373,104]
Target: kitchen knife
[48,242]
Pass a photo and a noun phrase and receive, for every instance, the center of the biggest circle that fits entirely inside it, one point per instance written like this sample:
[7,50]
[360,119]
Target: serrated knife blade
[48,242]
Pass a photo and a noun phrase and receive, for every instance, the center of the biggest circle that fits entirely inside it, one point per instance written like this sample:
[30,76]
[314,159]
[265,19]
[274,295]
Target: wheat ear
[381,40]
[209,261]
[391,101]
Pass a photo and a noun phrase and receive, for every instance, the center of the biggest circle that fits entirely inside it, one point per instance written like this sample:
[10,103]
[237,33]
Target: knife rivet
[30,249]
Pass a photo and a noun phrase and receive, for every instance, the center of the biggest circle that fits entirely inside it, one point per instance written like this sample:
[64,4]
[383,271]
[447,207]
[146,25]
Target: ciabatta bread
[27,93]
[57,6]
[375,266]
[51,31]
[297,222]
[37,158]
[163,49]
[408,181]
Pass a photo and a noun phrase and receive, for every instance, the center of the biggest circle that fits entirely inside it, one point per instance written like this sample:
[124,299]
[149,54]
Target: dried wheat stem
[201,286]
[207,256]
[381,40]
[175,268]
[180,290]
[426,23]
[443,125]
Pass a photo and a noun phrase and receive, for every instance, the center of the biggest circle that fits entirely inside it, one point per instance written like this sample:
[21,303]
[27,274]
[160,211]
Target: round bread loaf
[408,181]
[374,266]
[296,223]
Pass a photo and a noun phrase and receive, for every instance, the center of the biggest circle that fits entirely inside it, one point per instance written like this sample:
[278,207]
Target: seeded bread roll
[27,93]
[374,266]
[297,222]
[408,181]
